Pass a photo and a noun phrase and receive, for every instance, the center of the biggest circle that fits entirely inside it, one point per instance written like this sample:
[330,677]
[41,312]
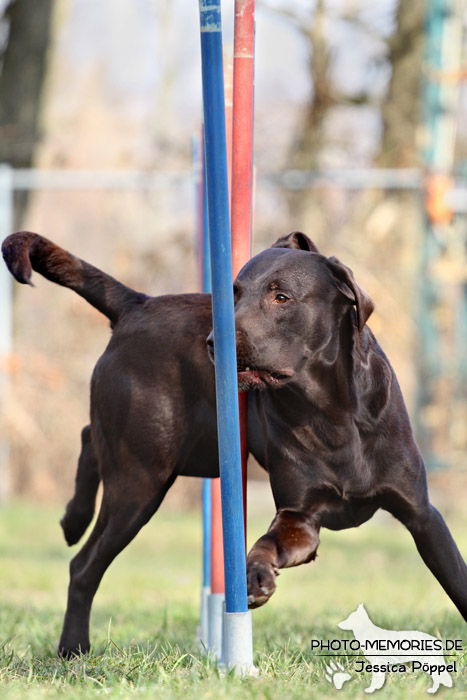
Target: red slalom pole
[242,132]
[242,167]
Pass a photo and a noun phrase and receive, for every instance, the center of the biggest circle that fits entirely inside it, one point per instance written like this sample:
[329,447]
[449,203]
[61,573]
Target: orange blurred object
[437,206]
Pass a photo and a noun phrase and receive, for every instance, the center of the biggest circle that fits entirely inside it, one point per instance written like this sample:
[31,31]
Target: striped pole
[238,650]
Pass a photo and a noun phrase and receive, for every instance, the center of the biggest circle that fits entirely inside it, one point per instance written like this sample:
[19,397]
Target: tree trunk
[401,108]
[24,68]
[306,147]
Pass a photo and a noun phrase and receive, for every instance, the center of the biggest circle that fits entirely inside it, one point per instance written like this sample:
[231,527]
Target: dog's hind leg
[80,510]
[292,539]
[438,550]
[118,522]
[440,553]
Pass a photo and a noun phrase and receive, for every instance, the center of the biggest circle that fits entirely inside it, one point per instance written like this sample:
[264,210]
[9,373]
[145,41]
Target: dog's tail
[25,251]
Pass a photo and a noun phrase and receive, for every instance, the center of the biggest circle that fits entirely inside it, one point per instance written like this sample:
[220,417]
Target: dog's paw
[336,674]
[72,650]
[74,524]
[261,583]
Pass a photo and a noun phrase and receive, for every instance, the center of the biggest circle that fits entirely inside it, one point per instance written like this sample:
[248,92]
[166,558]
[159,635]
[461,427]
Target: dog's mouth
[250,377]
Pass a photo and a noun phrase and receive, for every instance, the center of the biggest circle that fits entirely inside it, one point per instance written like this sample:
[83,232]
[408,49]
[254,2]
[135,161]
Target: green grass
[146,611]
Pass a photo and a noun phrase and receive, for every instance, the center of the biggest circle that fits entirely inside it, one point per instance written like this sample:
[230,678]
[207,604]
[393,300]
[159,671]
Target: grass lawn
[146,611]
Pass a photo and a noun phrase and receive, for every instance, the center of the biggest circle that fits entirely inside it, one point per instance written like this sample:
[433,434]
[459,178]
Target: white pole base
[215,620]
[238,643]
[202,633]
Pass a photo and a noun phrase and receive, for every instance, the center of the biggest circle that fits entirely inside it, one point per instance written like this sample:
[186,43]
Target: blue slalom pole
[206,250]
[204,284]
[207,483]
[204,281]
[237,649]
[206,287]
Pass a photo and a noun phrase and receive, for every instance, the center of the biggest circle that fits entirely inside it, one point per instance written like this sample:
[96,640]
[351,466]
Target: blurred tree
[308,138]
[401,107]
[396,32]
[21,82]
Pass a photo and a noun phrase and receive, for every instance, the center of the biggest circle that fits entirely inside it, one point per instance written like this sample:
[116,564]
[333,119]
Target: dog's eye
[281,298]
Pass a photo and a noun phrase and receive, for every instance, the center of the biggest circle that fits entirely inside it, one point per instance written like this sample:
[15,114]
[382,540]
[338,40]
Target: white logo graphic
[393,651]
[336,674]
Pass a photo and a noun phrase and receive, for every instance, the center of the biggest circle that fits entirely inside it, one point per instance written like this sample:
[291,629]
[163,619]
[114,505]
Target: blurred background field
[341,86]
[346,90]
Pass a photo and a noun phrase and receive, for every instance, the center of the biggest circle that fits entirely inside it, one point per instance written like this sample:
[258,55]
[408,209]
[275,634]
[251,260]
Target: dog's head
[290,302]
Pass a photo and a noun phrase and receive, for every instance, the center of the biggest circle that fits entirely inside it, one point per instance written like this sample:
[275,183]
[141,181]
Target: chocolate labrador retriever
[329,423]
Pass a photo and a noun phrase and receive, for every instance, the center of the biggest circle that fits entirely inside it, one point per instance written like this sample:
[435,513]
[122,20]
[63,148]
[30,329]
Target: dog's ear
[296,240]
[349,288]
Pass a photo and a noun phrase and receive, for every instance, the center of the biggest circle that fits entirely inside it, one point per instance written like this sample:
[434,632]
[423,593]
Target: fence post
[6,324]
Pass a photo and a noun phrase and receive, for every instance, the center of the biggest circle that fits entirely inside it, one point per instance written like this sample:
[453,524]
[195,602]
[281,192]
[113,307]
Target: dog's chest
[341,514]
[329,454]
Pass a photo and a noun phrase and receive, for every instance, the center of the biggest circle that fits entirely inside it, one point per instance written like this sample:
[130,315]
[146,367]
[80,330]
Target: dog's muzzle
[251,377]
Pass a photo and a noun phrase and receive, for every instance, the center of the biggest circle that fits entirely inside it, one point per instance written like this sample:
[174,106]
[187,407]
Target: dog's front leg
[292,539]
